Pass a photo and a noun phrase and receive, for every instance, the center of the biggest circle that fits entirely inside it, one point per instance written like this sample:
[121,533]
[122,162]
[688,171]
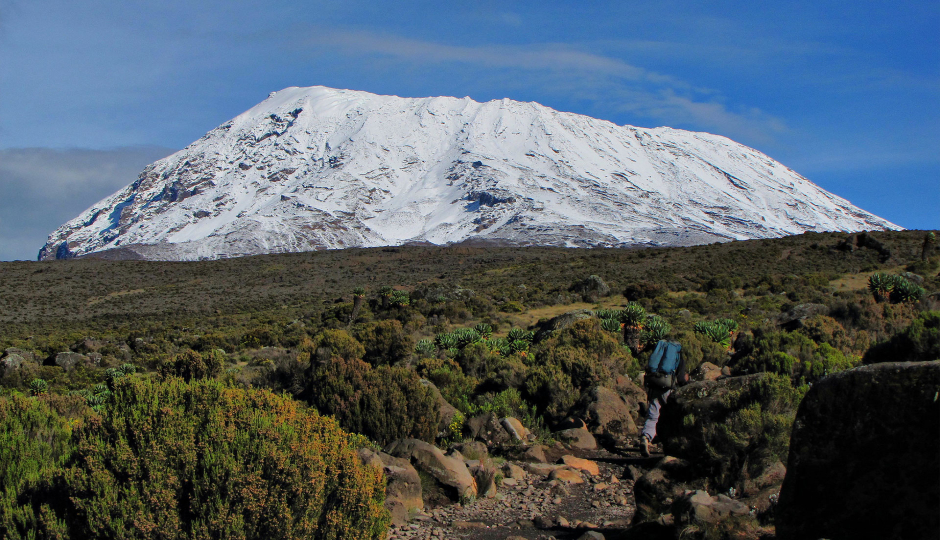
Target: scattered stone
[591,535]
[515,429]
[514,471]
[542,469]
[468,524]
[708,372]
[535,453]
[487,429]
[543,522]
[600,487]
[567,475]
[577,438]
[562,522]
[581,464]
[403,487]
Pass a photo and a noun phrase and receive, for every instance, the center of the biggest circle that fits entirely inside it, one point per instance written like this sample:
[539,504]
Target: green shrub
[920,341]
[202,460]
[445,373]
[336,342]
[384,403]
[35,442]
[385,342]
[190,365]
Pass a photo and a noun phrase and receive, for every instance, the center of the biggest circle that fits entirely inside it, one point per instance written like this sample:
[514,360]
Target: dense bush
[196,460]
[190,365]
[35,442]
[385,342]
[384,403]
[746,430]
[571,362]
[918,342]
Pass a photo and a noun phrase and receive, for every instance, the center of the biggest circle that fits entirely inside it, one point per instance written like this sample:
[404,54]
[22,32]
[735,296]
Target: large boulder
[793,319]
[591,288]
[577,438]
[68,360]
[863,459]
[447,410]
[403,487]
[487,429]
[608,414]
[544,329]
[449,471]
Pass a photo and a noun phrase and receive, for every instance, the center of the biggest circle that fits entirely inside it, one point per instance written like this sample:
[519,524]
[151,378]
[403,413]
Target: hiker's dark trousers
[657,397]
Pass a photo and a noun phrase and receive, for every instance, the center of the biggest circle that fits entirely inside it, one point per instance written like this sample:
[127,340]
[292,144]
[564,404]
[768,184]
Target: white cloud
[42,188]
[568,70]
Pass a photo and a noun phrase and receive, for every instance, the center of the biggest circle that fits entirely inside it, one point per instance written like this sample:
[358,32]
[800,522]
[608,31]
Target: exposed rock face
[609,415]
[68,360]
[545,329]
[591,288]
[450,471]
[863,457]
[403,487]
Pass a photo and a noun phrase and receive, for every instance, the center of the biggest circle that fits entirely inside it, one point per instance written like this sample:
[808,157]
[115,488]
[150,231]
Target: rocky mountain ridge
[319,168]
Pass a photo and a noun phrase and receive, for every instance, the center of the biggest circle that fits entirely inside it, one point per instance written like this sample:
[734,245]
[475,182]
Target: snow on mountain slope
[315,168]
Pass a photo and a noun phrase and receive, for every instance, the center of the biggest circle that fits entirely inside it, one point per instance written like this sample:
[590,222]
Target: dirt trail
[538,507]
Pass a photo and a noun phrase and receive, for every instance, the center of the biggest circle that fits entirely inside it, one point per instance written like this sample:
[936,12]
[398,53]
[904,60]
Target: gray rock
[487,429]
[403,495]
[447,410]
[577,438]
[448,471]
[591,535]
[546,328]
[794,318]
[11,362]
[863,456]
[68,360]
[591,288]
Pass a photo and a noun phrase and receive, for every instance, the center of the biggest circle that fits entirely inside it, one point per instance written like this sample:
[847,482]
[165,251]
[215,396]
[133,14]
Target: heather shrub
[335,342]
[920,341]
[202,460]
[383,403]
[385,342]
[35,442]
[190,365]
[746,430]
[447,376]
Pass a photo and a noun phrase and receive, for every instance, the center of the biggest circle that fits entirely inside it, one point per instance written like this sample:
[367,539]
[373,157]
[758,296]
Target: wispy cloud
[613,83]
[42,188]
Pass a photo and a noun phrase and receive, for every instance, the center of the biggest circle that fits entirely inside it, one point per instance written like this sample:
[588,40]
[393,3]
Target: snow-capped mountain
[314,168]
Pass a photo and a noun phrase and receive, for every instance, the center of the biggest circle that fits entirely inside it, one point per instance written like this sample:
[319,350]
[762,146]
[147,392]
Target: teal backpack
[661,370]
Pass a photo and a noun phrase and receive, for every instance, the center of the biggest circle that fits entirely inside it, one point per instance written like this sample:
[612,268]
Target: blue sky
[845,93]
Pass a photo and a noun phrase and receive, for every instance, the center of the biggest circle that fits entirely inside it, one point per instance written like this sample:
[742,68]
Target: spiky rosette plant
[730,325]
[519,346]
[425,347]
[611,325]
[38,387]
[606,314]
[881,285]
[656,329]
[445,341]
[400,298]
[905,291]
[466,336]
[499,346]
[517,334]
[484,330]
[633,317]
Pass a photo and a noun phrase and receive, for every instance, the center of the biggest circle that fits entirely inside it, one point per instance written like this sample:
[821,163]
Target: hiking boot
[645,446]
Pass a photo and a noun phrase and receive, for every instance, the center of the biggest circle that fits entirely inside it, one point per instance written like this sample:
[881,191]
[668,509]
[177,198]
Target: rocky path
[590,494]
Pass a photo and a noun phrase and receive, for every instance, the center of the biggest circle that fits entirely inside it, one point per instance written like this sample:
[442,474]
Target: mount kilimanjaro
[318,168]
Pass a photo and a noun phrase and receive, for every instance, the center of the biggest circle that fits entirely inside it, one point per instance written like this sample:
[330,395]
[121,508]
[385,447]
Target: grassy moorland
[351,333]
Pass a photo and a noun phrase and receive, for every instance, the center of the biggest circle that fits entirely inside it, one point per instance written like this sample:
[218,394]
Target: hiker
[666,371]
